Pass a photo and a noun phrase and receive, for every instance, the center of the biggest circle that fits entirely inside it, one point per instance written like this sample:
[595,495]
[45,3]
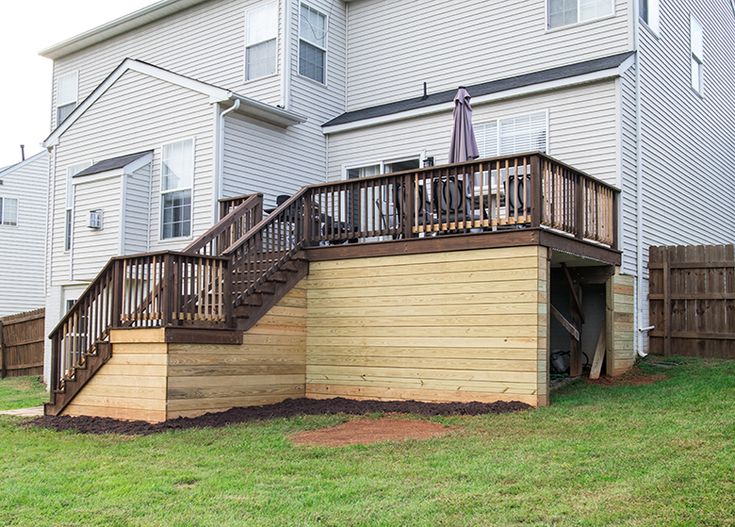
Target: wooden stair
[256,304]
[82,373]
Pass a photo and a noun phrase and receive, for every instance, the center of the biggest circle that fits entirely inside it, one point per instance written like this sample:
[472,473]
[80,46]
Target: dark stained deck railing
[203,285]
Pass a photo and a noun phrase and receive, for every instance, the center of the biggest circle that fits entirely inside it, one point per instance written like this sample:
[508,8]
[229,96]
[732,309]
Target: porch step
[82,375]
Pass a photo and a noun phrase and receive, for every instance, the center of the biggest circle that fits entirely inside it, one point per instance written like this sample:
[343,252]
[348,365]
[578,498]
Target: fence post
[2,352]
[667,301]
[536,191]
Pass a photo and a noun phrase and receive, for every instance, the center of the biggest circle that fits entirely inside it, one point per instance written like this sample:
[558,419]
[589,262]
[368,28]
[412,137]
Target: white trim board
[248,106]
[578,80]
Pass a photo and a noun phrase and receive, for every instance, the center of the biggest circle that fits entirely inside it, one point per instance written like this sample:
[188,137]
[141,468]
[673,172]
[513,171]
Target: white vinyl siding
[67,95]
[519,133]
[177,177]
[69,214]
[582,132]
[206,42]
[137,200]
[137,113]
[566,12]
[22,286]
[8,211]
[686,140]
[394,47]
[697,50]
[261,36]
[313,44]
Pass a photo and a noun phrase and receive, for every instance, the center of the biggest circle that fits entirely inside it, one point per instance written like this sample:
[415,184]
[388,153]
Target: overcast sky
[27,27]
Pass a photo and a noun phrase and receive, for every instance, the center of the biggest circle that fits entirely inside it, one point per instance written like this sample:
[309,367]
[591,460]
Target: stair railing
[240,215]
[176,290]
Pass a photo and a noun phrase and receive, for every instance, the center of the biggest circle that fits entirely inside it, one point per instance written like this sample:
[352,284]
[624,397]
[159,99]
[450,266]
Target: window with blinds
[510,135]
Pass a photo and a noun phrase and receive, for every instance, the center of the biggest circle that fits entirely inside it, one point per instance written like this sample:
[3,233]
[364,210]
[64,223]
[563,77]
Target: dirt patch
[634,377]
[368,431]
[288,408]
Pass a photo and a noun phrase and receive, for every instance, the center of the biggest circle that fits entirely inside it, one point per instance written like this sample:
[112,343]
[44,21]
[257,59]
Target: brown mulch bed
[288,408]
[368,431]
[634,377]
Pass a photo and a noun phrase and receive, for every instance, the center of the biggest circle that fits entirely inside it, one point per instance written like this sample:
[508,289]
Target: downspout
[286,55]
[641,331]
[220,157]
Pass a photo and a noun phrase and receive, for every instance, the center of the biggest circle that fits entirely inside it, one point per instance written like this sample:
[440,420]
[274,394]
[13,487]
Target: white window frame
[325,49]
[497,120]
[71,171]
[612,14]
[653,12]
[190,188]
[3,209]
[248,14]
[694,58]
[382,164]
[65,102]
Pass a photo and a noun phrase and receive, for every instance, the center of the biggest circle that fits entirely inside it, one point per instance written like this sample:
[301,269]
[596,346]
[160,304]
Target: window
[650,14]
[521,133]
[313,44]
[8,211]
[69,213]
[66,95]
[697,52]
[177,177]
[384,167]
[565,12]
[261,31]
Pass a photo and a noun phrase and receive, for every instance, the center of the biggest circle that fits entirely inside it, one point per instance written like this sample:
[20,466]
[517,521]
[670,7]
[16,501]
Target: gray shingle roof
[112,164]
[485,88]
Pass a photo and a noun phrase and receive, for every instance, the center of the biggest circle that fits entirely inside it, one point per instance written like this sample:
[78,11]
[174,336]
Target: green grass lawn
[21,392]
[658,454]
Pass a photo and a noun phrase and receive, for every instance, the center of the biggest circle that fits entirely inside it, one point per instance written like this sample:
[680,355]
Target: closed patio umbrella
[463,146]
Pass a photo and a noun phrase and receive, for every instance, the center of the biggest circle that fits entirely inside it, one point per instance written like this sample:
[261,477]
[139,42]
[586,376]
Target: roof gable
[216,94]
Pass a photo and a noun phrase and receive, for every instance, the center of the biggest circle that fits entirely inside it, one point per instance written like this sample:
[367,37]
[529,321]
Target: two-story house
[23,204]
[163,113]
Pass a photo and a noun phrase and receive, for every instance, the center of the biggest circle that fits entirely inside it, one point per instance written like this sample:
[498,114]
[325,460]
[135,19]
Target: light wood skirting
[620,326]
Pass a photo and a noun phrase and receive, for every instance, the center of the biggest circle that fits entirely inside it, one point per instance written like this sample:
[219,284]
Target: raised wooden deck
[236,272]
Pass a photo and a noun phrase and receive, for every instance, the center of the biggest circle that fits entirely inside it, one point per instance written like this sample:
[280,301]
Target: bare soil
[368,431]
[634,377]
[287,408]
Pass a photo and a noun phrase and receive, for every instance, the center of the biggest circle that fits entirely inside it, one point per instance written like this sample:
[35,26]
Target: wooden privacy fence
[692,300]
[21,344]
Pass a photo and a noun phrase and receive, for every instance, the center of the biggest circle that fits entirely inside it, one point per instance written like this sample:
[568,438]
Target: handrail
[239,220]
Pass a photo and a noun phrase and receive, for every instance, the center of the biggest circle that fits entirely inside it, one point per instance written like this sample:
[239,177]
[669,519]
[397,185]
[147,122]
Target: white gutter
[219,177]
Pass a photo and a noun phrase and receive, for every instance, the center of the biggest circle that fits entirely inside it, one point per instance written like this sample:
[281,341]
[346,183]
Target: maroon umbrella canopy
[463,146]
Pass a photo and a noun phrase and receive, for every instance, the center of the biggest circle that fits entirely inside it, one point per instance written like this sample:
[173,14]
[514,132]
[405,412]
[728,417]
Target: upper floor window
[565,12]
[512,135]
[67,93]
[261,33]
[313,44]
[650,14]
[697,52]
[177,179]
[8,211]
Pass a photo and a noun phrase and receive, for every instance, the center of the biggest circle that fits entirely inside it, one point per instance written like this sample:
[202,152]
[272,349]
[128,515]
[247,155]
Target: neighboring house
[23,204]
[159,115]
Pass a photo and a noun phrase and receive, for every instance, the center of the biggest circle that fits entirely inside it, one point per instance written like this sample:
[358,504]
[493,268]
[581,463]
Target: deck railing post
[117,293]
[536,191]
[55,363]
[579,181]
[615,219]
[167,287]
[408,207]
[307,220]
[227,300]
